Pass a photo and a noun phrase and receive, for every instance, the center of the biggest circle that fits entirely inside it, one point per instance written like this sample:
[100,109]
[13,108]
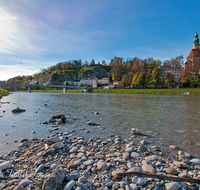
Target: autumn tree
[124,81]
[156,77]
[134,80]
[186,76]
[169,79]
[148,78]
[141,80]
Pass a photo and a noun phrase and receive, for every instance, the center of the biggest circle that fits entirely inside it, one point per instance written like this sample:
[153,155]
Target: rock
[88,162]
[135,131]
[25,182]
[18,110]
[180,164]
[133,186]
[135,155]
[60,116]
[172,171]
[96,113]
[130,165]
[115,172]
[5,165]
[69,185]
[24,144]
[148,168]
[55,181]
[53,139]
[134,169]
[129,149]
[139,180]
[151,158]
[195,161]
[52,120]
[92,123]
[53,166]
[73,176]
[39,168]
[172,186]
[45,122]
[58,145]
[73,149]
[142,148]
[102,165]
[173,147]
[126,156]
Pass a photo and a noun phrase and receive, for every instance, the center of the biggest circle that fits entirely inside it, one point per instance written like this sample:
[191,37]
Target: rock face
[93,71]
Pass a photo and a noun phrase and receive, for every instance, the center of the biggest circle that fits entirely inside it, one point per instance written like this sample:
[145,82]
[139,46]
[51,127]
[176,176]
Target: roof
[194,53]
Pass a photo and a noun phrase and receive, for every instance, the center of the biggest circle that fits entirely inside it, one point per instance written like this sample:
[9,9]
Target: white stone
[133,186]
[172,186]
[53,166]
[5,165]
[148,168]
[135,155]
[135,131]
[195,161]
[126,156]
[116,172]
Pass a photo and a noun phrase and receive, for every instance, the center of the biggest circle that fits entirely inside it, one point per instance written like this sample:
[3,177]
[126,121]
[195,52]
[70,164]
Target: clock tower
[196,44]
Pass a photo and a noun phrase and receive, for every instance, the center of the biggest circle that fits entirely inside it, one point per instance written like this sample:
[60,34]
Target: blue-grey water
[171,119]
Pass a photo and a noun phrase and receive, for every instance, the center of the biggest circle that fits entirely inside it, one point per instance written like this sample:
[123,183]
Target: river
[170,119]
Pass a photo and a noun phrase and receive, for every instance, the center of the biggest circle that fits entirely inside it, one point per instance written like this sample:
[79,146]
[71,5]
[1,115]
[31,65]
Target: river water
[170,119]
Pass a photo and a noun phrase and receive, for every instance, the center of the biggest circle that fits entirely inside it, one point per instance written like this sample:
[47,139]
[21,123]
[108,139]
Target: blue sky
[36,34]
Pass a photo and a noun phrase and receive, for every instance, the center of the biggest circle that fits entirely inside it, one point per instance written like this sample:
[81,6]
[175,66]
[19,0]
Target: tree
[156,77]
[169,79]
[134,80]
[141,80]
[92,63]
[124,81]
[103,62]
[186,76]
[148,78]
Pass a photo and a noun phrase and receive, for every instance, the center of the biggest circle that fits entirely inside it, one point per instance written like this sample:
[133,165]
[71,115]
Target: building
[193,59]
[103,81]
[116,60]
[87,81]
[175,71]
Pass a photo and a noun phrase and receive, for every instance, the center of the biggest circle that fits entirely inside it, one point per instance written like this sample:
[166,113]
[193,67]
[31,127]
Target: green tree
[169,79]
[156,77]
[141,80]
[134,80]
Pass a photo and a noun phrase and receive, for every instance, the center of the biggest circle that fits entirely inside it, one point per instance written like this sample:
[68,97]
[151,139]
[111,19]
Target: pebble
[66,161]
[172,186]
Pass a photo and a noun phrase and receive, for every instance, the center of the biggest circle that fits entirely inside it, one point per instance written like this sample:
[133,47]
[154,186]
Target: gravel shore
[66,161]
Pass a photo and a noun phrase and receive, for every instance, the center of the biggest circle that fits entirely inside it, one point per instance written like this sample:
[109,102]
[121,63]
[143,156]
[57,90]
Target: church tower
[196,42]
[193,59]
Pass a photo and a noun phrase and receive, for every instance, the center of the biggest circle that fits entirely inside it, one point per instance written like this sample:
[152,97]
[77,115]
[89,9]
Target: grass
[191,91]
[3,92]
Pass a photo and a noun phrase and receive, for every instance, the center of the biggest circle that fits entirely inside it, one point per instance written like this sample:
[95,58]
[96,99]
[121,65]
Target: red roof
[194,53]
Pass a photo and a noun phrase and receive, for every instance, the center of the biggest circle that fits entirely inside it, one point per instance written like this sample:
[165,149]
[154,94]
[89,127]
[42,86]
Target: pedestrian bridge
[43,86]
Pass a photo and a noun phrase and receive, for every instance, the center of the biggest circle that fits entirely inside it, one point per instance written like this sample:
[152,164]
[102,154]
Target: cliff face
[60,76]
[91,72]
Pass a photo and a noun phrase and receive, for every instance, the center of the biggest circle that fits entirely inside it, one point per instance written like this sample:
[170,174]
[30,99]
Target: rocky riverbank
[65,161]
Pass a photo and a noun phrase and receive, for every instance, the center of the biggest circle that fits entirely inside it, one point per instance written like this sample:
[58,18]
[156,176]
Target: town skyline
[36,35]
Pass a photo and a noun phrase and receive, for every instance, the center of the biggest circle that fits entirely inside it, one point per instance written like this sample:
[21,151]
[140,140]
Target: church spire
[195,41]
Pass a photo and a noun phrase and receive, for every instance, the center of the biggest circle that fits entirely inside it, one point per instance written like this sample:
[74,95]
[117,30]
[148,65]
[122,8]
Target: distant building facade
[116,60]
[175,71]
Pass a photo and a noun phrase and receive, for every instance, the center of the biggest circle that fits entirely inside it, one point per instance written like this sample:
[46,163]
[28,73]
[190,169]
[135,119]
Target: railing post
[64,90]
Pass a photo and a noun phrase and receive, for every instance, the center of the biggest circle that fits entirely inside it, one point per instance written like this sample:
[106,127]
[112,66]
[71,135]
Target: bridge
[41,85]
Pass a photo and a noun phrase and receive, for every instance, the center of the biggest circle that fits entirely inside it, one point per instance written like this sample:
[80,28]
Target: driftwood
[159,176]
